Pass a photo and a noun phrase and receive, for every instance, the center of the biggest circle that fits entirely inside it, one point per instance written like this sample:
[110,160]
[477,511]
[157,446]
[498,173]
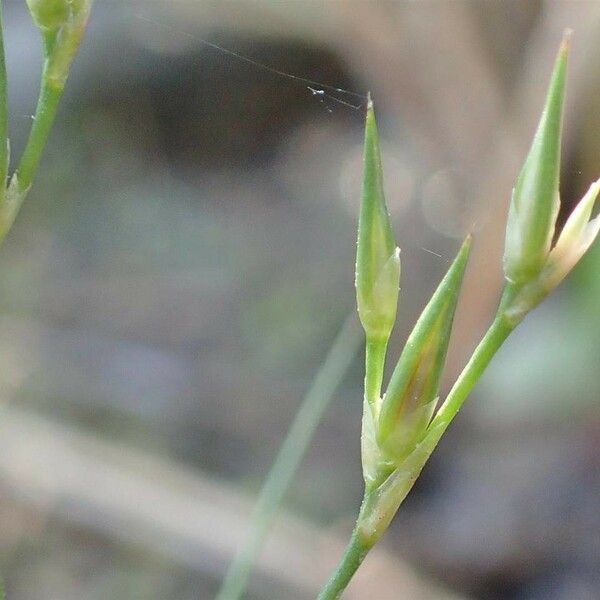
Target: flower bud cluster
[393,425]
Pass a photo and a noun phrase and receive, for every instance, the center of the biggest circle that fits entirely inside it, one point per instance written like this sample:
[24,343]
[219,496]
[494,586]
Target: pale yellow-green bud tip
[577,236]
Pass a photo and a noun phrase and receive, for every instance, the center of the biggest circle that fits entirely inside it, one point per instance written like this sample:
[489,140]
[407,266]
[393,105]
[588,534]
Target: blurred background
[185,260]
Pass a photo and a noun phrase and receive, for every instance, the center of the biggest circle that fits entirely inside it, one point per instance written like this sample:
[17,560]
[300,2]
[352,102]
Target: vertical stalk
[355,553]
[49,98]
[374,366]
[489,345]
[499,330]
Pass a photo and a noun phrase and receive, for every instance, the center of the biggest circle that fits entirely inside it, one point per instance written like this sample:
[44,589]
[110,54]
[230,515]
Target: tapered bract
[377,257]
[414,387]
[535,200]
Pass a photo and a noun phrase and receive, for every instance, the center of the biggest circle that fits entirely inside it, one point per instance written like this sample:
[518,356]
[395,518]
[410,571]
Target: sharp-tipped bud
[410,400]
[377,257]
[535,200]
[577,236]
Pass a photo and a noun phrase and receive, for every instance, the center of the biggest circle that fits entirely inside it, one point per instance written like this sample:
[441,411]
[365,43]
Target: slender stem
[49,98]
[489,345]
[355,553]
[374,366]
[3,112]
[60,47]
[499,330]
[297,440]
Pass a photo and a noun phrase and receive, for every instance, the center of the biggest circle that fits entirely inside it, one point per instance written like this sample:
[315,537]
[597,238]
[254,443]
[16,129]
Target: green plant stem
[50,94]
[353,556]
[374,366]
[495,336]
[49,98]
[333,369]
[3,112]
[358,547]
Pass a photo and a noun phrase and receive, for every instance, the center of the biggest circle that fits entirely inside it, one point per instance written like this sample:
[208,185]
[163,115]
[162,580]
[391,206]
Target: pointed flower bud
[577,236]
[377,257]
[535,199]
[412,394]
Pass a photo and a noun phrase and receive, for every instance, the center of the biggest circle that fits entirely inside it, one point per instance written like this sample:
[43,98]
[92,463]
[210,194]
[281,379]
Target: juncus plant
[401,427]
